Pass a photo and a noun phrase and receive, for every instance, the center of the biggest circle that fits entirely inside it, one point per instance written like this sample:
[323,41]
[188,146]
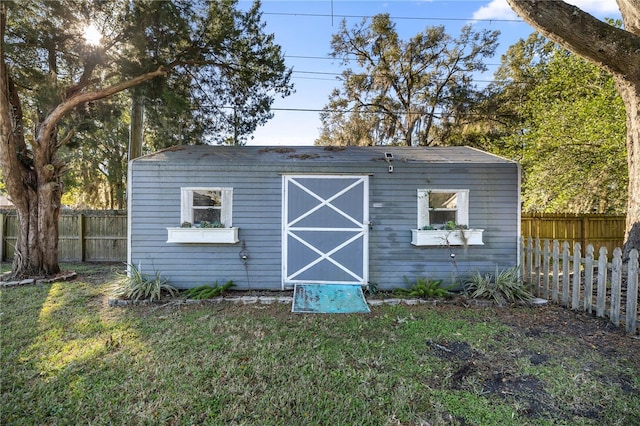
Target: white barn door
[325,229]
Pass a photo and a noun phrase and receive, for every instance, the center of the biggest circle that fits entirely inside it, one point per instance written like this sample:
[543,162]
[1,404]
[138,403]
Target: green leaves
[574,152]
[403,92]
[208,291]
[423,288]
[504,287]
[223,72]
[139,286]
[563,120]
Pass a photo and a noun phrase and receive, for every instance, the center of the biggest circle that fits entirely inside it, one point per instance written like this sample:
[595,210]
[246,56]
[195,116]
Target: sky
[304,28]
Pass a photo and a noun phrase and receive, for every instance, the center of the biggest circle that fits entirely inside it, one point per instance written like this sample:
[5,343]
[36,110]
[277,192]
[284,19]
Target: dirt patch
[537,358]
[452,350]
[551,337]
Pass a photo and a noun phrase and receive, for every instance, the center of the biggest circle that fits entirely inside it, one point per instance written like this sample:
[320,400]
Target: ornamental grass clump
[423,288]
[138,286]
[503,287]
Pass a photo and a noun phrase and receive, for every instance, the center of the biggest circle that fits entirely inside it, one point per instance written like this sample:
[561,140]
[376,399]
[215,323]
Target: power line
[317,72]
[347,111]
[340,74]
[411,18]
[335,59]
[297,77]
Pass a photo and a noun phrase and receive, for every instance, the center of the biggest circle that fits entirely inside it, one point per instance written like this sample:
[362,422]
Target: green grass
[67,358]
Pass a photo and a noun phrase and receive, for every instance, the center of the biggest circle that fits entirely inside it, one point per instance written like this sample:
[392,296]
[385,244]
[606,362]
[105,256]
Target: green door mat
[329,299]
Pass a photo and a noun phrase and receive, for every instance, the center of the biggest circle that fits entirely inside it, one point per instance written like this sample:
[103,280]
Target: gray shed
[350,215]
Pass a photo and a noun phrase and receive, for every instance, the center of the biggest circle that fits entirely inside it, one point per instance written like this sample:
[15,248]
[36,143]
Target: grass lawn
[68,358]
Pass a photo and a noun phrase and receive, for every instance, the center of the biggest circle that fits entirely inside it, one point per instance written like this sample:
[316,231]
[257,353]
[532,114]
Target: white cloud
[598,7]
[496,9]
[499,9]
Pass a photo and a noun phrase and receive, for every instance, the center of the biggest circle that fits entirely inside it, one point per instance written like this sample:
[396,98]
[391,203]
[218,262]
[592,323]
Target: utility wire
[340,74]
[412,18]
[335,59]
[347,111]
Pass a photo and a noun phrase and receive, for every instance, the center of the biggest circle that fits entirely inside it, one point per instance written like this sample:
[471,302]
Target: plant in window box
[452,226]
[207,224]
[449,234]
[186,224]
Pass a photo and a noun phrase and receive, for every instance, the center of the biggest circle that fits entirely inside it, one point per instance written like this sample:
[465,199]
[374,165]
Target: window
[436,207]
[211,205]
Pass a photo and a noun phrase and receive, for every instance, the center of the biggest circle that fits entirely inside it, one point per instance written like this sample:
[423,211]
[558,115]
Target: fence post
[602,282]
[537,265]
[575,301]
[530,262]
[565,273]
[521,256]
[2,216]
[588,279]
[556,272]
[632,292]
[616,278]
[81,235]
[545,269]
[585,231]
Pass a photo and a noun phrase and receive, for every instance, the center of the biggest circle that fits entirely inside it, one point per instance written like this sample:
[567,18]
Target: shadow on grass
[70,359]
[55,339]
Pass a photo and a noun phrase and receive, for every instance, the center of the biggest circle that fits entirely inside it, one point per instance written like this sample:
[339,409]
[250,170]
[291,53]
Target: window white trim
[462,210]
[226,204]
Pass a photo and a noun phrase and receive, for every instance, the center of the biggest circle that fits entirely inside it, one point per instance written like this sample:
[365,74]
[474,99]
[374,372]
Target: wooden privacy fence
[85,235]
[590,283]
[596,229]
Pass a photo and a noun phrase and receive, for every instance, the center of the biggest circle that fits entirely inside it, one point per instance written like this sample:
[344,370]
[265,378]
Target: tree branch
[49,123]
[612,48]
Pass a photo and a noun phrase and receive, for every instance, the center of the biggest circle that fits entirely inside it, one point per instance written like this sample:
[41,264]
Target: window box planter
[444,237]
[202,235]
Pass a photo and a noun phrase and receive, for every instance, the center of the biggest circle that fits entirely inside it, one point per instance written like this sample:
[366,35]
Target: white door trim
[361,229]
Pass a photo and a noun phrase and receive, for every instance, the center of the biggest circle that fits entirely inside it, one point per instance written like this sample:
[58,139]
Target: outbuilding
[272,217]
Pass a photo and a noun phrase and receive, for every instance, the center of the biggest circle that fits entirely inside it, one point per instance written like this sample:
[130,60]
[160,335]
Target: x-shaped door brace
[326,202]
[322,255]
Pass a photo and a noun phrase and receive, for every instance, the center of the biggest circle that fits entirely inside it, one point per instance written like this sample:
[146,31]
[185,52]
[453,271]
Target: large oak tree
[50,71]
[402,92]
[616,50]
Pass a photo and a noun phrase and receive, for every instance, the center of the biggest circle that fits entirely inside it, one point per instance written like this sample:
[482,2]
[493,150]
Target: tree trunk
[615,50]
[136,131]
[36,190]
[33,178]
[38,209]
[630,93]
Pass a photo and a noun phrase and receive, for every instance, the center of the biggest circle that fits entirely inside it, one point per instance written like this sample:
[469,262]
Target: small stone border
[244,300]
[271,300]
[30,281]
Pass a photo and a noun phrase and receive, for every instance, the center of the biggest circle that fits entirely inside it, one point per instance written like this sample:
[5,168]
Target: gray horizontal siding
[257,210]
[156,206]
[493,206]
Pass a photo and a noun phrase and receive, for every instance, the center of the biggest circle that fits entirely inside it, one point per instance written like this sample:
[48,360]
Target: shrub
[138,286]
[207,224]
[208,291]
[423,288]
[504,287]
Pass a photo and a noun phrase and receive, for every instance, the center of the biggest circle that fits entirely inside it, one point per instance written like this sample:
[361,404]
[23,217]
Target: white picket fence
[594,285]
